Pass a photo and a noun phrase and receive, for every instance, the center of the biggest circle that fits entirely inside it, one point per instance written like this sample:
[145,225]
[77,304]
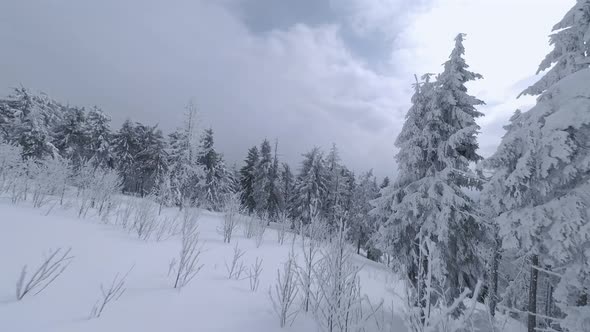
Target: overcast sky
[308,72]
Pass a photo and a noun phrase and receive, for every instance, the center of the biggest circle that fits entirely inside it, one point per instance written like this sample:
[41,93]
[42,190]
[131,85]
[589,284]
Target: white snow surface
[210,302]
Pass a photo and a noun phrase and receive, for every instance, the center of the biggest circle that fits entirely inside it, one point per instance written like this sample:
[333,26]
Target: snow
[210,303]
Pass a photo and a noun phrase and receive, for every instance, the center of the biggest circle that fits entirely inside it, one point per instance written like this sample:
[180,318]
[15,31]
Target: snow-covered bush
[113,293]
[231,217]
[19,183]
[54,264]
[96,187]
[338,301]
[10,164]
[311,237]
[285,292]
[145,218]
[49,178]
[188,264]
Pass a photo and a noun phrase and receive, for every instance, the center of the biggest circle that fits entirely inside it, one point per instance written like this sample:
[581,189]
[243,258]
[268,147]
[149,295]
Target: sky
[304,72]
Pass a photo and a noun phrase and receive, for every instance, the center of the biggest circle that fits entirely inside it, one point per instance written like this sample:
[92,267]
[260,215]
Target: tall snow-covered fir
[540,187]
[427,200]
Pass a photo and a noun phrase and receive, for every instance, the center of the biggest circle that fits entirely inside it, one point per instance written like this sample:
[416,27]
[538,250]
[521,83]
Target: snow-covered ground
[210,302]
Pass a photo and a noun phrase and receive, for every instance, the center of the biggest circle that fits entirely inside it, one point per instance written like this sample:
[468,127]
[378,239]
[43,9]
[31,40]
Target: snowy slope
[210,303]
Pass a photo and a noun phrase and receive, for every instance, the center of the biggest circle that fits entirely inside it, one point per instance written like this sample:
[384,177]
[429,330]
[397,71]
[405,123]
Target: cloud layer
[307,73]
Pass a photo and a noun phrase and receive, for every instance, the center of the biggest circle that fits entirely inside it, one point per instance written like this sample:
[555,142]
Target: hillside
[210,302]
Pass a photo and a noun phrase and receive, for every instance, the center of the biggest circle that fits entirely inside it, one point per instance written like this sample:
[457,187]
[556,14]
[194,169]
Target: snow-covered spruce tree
[70,136]
[275,198]
[332,208]
[183,151]
[287,183]
[540,189]
[125,148]
[247,179]
[262,178]
[437,143]
[571,52]
[99,136]
[215,180]
[150,163]
[28,120]
[338,299]
[361,225]
[310,186]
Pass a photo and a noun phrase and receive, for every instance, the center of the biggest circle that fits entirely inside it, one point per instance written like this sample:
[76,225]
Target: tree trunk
[358,246]
[493,287]
[532,319]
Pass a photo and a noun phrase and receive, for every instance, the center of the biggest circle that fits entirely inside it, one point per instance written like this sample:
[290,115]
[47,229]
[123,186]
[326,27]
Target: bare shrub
[236,268]
[248,226]
[113,293]
[311,237]
[166,228]
[231,209]
[145,219]
[254,274]
[19,181]
[338,301]
[124,213]
[285,292]
[283,223]
[52,267]
[188,262]
[96,187]
[260,229]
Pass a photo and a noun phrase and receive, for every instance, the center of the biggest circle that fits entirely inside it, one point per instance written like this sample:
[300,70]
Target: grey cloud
[144,60]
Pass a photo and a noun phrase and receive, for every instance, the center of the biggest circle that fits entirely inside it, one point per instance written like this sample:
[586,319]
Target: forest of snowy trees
[511,230]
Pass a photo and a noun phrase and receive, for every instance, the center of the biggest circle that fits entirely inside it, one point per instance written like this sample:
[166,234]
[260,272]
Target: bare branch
[110,295]
[51,268]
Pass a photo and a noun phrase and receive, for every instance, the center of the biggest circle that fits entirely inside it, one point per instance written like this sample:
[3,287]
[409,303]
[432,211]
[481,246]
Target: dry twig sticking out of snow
[51,268]
[113,293]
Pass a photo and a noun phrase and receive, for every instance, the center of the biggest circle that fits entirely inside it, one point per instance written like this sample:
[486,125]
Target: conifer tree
[437,143]
[539,192]
[571,48]
[215,180]
[310,186]
[247,173]
[183,150]
[125,148]
[262,178]
[274,189]
[28,120]
[70,136]
[361,224]
[332,208]
[99,138]
[287,184]
[151,159]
